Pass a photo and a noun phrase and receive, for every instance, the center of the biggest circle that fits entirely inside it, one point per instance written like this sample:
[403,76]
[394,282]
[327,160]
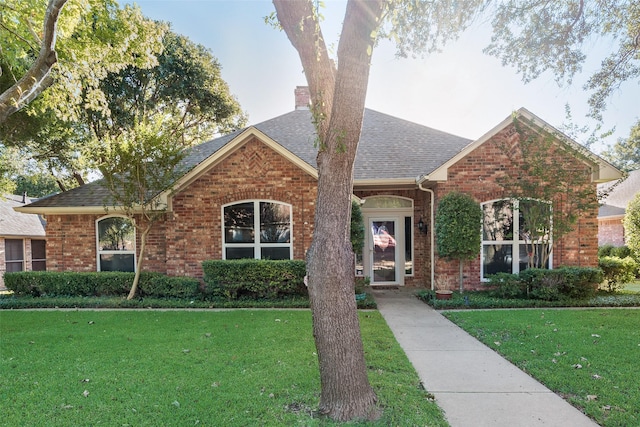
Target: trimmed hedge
[547,285]
[254,278]
[617,271]
[96,284]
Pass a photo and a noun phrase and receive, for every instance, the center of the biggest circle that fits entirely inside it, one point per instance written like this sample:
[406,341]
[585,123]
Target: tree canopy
[625,153]
[538,36]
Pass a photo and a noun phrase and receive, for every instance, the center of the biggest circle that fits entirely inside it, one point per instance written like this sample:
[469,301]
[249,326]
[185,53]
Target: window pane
[38,249]
[531,256]
[39,265]
[497,259]
[116,234]
[13,266]
[498,221]
[275,223]
[275,253]
[238,223]
[116,262]
[387,202]
[408,261]
[14,250]
[239,253]
[535,221]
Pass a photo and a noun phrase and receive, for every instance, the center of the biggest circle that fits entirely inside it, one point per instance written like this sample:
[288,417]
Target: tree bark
[37,78]
[338,97]
[143,245]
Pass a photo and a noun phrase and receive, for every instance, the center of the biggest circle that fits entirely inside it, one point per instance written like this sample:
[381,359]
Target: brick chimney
[303,97]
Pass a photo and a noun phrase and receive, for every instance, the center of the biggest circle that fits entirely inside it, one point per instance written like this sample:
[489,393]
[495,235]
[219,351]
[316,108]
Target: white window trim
[101,252]
[516,242]
[256,245]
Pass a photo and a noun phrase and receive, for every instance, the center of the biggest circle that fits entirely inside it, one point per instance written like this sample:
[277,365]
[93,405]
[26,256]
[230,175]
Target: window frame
[35,260]
[100,252]
[256,245]
[14,261]
[515,242]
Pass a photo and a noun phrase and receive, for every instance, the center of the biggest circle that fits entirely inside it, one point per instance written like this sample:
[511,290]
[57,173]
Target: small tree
[550,184]
[632,226]
[138,166]
[457,224]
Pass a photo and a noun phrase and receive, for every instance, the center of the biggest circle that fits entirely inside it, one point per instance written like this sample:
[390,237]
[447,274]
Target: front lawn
[181,368]
[590,357]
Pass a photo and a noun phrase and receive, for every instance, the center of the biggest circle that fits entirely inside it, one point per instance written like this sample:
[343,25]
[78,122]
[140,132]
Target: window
[38,255]
[14,255]
[257,229]
[516,235]
[116,244]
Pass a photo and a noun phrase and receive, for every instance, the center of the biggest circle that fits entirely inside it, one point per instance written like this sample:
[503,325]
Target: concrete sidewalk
[474,385]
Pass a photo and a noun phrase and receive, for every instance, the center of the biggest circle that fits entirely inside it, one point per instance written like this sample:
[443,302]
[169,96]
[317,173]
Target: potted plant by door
[443,293]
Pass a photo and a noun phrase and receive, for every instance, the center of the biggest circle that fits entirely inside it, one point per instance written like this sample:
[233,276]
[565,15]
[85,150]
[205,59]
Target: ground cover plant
[178,368]
[590,357]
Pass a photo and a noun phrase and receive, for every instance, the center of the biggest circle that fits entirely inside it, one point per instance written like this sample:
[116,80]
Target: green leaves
[458,221]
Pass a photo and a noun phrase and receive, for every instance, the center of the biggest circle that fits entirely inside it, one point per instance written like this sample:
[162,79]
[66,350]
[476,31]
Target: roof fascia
[229,148]
[603,172]
[394,182]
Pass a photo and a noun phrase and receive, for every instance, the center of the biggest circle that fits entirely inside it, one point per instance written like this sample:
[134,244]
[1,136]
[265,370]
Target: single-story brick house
[261,181]
[614,205]
[22,238]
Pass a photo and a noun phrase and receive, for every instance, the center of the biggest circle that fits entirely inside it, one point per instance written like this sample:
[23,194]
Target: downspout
[431,225]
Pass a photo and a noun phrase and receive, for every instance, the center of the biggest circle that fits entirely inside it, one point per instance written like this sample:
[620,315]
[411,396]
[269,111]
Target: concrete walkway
[474,385]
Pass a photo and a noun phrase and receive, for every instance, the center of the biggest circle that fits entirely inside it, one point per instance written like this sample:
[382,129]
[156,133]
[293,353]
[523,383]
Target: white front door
[385,251]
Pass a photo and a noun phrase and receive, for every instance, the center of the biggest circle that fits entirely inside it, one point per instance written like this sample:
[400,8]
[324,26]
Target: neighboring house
[614,205]
[252,194]
[22,238]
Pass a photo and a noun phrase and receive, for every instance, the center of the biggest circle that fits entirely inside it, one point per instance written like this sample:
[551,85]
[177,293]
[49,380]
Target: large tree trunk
[37,78]
[338,104]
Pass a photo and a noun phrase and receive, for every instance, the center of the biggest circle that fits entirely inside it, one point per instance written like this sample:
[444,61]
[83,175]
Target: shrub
[580,282]
[254,278]
[506,285]
[107,283]
[605,250]
[620,252]
[617,271]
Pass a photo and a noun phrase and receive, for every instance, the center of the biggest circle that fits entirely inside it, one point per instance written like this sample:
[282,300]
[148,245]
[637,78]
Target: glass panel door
[384,251]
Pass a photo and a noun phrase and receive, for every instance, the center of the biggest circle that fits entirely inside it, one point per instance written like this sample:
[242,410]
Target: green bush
[605,250]
[617,271]
[621,252]
[254,278]
[90,284]
[580,282]
[506,285]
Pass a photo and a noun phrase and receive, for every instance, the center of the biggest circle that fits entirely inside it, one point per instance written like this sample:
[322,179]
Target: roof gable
[602,170]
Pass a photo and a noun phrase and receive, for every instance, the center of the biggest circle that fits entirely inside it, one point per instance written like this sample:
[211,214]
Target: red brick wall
[478,175]
[254,171]
[192,232]
[610,231]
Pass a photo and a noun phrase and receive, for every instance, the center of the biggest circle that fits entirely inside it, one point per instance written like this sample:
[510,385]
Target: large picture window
[116,237]
[257,229]
[516,235]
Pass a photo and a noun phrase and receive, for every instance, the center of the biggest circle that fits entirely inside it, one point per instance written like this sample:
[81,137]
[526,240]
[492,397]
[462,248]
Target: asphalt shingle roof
[13,223]
[389,148]
[620,196]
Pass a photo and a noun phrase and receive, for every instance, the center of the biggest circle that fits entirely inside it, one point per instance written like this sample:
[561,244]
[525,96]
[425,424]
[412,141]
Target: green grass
[590,357]
[182,368]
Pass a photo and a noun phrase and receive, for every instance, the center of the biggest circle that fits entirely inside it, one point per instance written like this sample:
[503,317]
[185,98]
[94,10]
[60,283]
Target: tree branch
[37,78]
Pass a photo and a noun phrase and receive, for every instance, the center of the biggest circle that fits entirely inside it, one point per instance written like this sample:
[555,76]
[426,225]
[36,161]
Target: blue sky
[461,90]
